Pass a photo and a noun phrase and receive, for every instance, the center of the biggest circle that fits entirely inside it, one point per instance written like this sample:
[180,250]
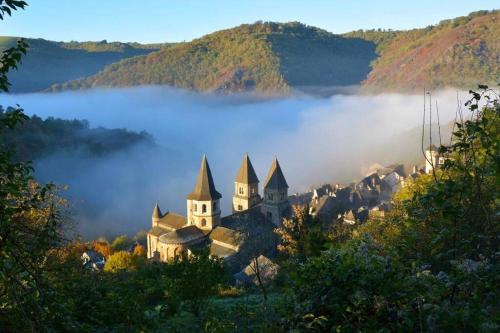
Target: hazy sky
[177,20]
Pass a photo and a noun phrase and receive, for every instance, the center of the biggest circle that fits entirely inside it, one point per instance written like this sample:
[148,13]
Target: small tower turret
[275,194]
[203,208]
[157,215]
[246,187]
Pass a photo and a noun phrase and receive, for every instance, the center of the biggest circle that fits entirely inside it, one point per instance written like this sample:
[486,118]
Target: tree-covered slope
[265,57]
[48,62]
[460,52]
[36,138]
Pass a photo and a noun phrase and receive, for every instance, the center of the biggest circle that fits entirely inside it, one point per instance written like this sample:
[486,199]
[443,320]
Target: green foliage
[121,243]
[7,6]
[31,221]
[432,264]
[301,235]
[35,138]
[352,289]
[10,59]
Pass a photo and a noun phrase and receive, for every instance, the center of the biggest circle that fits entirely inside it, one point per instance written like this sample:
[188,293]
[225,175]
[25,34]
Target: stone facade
[173,235]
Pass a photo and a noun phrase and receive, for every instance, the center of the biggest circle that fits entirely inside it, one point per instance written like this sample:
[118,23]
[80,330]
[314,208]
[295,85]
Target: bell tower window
[203,222]
[204,208]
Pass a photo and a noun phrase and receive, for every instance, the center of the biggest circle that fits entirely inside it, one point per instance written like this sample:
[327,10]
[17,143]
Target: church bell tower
[246,187]
[203,207]
[275,201]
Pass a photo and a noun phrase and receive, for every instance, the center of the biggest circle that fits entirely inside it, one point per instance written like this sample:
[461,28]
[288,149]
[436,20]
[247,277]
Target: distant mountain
[460,52]
[279,58]
[265,57]
[49,62]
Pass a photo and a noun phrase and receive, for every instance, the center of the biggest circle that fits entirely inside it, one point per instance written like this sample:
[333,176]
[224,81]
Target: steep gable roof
[205,188]
[246,174]
[157,212]
[275,179]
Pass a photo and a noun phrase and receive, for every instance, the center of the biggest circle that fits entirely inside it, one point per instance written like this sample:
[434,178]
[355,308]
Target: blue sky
[178,20]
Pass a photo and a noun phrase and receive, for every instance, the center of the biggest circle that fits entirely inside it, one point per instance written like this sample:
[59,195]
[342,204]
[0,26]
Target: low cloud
[317,140]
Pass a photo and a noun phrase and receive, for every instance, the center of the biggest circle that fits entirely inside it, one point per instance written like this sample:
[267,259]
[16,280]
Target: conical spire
[205,188]
[246,174]
[157,212]
[275,179]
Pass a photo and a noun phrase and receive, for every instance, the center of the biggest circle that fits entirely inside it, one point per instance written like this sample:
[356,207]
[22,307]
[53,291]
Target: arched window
[203,222]
[195,207]
[241,190]
[215,205]
[204,208]
[240,207]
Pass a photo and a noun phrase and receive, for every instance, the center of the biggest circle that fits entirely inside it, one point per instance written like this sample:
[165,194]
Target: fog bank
[317,140]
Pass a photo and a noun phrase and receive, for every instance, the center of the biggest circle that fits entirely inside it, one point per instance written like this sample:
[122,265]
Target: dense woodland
[431,265]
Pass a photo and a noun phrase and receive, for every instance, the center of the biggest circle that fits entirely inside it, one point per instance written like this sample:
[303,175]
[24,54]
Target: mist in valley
[316,140]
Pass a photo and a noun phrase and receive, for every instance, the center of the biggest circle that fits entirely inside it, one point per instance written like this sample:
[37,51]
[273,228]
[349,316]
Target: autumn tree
[102,247]
[301,235]
[123,261]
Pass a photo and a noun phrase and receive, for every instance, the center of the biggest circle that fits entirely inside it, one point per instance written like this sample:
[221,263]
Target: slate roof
[221,251]
[226,236]
[326,207]
[183,235]
[157,212]
[204,189]
[275,179]
[158,231]
[251,220]
[172,221]
[246,173]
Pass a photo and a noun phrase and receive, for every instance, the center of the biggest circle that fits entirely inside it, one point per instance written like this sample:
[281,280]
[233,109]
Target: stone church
[248,230]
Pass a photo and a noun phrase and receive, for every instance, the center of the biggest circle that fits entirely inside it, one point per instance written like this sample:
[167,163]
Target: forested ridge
[266,57]
[461,52]
[37,138]
[49,62]
[280,57]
